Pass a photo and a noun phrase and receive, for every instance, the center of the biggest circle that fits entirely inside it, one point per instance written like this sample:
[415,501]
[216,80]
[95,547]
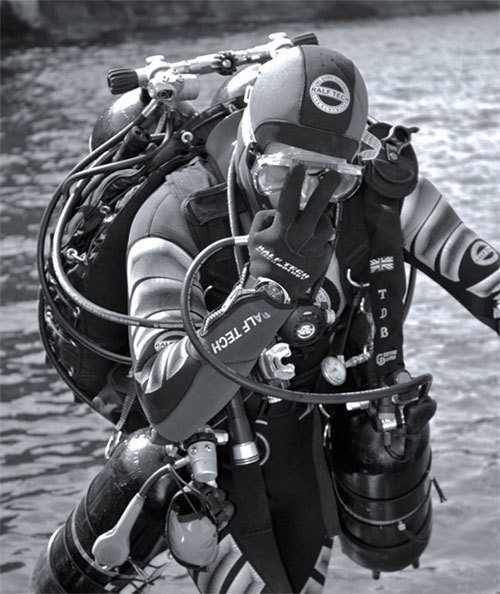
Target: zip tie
[442,497]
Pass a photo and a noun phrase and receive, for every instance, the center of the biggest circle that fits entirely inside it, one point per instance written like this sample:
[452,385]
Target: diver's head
[308,105]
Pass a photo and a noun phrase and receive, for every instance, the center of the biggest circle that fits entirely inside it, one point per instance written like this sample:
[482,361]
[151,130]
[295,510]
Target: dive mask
[270,169]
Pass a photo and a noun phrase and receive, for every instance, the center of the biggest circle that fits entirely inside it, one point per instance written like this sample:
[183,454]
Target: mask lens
[346,188]
[270,170]
[270,178]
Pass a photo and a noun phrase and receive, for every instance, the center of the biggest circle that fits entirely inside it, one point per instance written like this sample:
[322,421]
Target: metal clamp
[353,282]
[73,256]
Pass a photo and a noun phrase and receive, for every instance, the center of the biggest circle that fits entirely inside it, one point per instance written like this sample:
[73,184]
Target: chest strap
[386,275]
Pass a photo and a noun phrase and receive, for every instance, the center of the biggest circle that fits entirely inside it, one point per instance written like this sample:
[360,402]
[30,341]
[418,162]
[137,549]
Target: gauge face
[323,299]
[333,370]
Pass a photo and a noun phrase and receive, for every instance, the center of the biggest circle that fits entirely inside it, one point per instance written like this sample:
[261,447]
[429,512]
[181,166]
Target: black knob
[305,39]
[121,80]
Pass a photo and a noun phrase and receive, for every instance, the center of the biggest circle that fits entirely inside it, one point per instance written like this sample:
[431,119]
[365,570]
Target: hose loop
[423,381]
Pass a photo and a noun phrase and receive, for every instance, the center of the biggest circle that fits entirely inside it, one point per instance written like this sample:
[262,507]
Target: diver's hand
[290,246]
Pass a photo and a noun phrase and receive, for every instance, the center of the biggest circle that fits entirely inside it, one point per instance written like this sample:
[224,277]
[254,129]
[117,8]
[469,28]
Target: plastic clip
[398,138]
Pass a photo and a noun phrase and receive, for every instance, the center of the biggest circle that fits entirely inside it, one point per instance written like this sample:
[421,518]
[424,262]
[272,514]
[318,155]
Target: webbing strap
[387,280]
[325,483]
[252,529]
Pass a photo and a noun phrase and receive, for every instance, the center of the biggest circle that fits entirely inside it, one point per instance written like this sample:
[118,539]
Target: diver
[314,301]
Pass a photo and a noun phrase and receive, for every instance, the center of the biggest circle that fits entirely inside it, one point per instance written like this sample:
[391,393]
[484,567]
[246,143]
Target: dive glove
[290,246]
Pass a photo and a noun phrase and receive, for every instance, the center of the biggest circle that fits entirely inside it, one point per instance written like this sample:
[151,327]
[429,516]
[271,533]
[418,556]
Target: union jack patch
[381,264]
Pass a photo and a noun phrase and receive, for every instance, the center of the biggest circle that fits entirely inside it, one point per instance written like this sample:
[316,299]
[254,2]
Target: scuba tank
[381,468]
[133,508]
[67,563]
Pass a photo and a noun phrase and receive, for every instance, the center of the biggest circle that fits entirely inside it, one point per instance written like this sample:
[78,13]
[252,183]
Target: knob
[121,80]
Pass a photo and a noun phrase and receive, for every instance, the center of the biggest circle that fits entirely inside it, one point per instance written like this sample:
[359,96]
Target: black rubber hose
[264,389]
[56,364]
[80,299]
[47,215]
[59,272]
[412,279]
[46,295]
[108,168]
[81,338]
[91,157]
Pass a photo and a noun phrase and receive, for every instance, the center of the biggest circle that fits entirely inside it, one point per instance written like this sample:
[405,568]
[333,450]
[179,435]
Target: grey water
[441,73]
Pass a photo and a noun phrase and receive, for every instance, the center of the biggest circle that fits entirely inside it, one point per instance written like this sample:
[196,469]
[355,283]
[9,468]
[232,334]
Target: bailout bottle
[383,484]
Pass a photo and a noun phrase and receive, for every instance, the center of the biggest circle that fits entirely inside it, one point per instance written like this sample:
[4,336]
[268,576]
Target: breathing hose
[423,381]
[45,293]
[57,262]
[231,208]
[409,291]
[58,194]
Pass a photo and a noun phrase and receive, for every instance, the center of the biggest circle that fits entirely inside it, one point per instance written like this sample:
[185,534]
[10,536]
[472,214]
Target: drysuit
[180,393]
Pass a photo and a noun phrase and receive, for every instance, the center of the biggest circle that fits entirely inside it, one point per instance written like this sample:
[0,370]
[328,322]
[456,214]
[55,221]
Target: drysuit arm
[437,242]
[178,391]
[287,247]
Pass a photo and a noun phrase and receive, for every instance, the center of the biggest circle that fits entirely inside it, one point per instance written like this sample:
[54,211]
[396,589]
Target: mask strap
[371,141]
[246,128]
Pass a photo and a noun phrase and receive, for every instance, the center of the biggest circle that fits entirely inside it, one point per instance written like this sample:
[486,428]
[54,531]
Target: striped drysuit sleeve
[178,391]
[437,242]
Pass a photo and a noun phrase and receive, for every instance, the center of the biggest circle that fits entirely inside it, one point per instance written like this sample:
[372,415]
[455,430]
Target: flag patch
[381,264]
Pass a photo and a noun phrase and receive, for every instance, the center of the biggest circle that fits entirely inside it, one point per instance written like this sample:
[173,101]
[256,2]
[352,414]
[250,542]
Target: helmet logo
[330,94]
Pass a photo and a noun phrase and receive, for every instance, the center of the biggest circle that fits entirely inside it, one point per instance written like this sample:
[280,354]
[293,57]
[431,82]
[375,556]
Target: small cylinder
[203,458]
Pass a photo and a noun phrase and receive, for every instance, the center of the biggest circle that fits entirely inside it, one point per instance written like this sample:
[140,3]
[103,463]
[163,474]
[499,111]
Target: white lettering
[383,313]
[382,293]
[383,358]
[235,334]
[277,261]
[232,335]
[384,333]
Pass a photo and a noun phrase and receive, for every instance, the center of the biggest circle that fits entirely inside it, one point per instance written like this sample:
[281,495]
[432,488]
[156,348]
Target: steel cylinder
[384,501]
[67,564]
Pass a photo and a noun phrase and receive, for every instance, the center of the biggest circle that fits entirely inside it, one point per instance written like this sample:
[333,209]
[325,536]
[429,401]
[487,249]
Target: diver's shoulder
[419,204]
[162,214]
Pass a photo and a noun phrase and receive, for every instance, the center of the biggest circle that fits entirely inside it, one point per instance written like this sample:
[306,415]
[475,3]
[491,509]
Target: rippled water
[440,73]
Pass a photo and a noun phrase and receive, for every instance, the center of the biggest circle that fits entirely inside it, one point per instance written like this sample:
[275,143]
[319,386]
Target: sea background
[441,73]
